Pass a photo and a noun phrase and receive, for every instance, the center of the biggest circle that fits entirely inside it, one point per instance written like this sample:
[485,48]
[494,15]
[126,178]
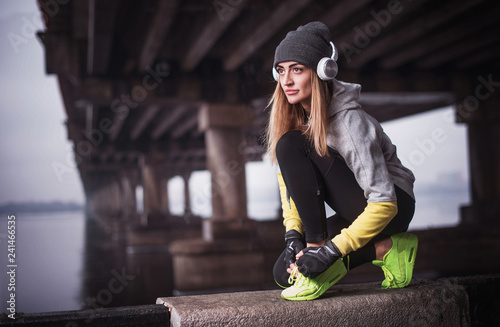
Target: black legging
[312,180]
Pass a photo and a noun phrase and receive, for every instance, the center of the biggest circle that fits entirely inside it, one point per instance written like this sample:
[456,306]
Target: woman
[329,150]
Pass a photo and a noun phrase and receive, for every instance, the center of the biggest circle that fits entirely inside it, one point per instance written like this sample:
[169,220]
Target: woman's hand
[291,267]
[294,244]
[312,261]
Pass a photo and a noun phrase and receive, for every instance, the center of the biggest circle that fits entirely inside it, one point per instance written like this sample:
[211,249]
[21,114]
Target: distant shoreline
[38,207]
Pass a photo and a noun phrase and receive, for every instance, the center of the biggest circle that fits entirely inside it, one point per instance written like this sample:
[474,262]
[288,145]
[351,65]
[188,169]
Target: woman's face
[295,80]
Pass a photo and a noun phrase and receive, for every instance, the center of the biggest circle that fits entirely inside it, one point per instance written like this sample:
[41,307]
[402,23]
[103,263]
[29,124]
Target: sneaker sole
[334,273]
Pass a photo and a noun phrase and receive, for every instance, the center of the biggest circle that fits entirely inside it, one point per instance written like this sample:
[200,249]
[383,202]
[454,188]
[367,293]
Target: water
[66,261]
[49,251]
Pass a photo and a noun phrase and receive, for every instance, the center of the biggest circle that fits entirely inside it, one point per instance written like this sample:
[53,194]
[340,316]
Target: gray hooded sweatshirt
[367,150]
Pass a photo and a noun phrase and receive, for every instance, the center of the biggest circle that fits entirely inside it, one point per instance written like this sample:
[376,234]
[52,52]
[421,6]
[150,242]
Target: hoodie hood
[345,97]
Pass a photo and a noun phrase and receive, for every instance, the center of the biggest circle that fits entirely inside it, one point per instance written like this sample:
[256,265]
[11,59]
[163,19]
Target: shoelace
[292,278]
[299,280]
[388,276]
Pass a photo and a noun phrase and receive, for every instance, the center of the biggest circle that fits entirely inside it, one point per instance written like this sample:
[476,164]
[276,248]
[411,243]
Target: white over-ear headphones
[327,67]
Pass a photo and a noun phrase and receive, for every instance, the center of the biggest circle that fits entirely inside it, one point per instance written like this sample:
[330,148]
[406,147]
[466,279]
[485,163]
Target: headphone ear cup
[327,69]
[276,76]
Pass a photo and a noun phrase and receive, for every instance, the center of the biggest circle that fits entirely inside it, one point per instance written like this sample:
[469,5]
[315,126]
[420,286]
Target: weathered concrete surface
[457,301]
[484,298]
[136,316]
[423,303]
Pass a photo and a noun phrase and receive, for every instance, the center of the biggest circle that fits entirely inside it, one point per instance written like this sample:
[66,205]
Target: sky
[32,132]
[34,139]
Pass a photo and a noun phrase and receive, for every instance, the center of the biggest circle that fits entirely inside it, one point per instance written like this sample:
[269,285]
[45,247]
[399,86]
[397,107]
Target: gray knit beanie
[307,45]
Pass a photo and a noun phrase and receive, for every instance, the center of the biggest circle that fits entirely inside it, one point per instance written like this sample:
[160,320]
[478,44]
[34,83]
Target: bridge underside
[159,88]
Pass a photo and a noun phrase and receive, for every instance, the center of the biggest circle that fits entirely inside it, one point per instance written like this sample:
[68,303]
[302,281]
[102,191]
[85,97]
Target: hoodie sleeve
[291,218]
[366,226]
[360,140]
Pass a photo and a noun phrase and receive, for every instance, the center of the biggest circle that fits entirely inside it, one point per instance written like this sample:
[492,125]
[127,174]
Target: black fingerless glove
[294,244]
[318,259]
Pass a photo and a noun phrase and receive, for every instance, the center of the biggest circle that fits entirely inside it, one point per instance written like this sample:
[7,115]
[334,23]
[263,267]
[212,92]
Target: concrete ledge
[456,301]
[135,316]
[423,303]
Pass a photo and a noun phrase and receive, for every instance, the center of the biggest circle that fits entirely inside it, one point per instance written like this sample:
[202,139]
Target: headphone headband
[335,54]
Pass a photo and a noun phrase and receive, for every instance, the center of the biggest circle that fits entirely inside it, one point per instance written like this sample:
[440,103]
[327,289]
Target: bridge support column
[229,245]
[128,183]
[154,227]
[155,190]
[187,199]
[223,125]
[484,162]
[106,198]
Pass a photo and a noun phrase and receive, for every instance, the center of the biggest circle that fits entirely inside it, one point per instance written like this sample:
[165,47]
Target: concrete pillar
[484,162]
[154,187]
[97,200]
[163,195]
[128,182]
[93,184]
[105,199]
[223,126]
[152,191]
[115,198]
[187,197]
[231,242]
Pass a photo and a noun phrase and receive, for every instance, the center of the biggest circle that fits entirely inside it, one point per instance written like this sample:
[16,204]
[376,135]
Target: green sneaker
[304,288]
[399,261]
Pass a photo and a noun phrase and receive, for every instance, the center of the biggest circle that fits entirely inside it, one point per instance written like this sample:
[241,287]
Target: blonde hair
[286,117]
